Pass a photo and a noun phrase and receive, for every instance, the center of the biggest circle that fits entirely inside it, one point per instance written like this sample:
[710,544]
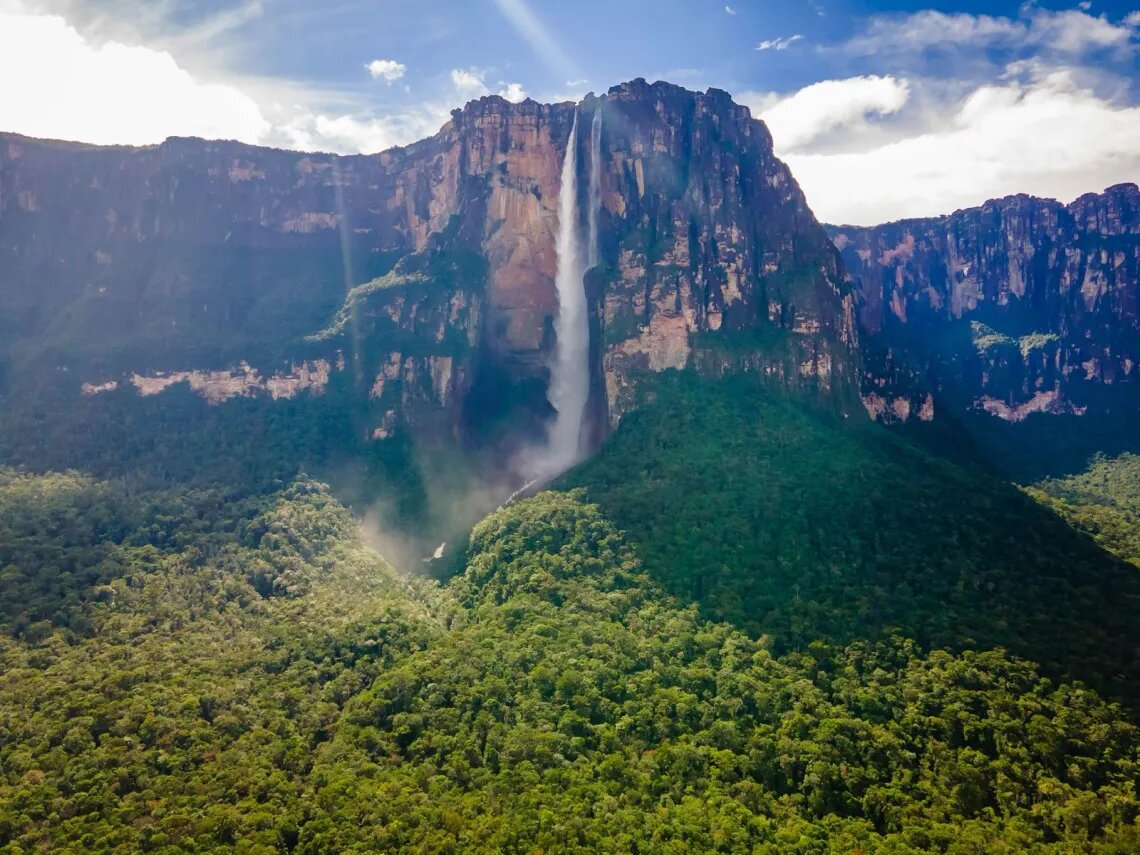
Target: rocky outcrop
[420,280]
[1023,305]
[711,256]
[216,387]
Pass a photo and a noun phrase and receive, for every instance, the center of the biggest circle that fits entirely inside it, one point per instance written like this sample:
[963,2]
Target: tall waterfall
[570,372]
[595,182]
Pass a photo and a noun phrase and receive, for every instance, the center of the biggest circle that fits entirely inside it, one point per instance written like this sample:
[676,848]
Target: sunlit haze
[883,109]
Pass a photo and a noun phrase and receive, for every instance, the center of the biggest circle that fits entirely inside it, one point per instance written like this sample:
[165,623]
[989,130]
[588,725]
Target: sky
[883,110]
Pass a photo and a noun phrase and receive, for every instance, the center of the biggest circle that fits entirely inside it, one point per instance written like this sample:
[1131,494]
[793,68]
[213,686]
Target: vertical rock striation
[1020,306]
[711,256]
[424,276]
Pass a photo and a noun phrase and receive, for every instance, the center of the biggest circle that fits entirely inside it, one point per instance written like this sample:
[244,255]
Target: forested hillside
[214,670]
[787,521]
[1103,501]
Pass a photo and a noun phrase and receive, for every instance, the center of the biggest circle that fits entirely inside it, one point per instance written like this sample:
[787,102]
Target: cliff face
[710,254]
[1020,306]
[420,280]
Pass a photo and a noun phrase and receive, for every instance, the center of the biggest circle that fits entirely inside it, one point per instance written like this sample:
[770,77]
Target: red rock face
[707,237]
[424,274]
[1022,305]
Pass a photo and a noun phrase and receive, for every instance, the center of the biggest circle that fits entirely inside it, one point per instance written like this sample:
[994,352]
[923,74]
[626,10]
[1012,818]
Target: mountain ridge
[1117,186]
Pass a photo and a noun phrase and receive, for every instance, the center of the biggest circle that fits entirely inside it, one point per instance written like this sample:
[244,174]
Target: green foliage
[254,445]
[345,314]
[438,272]
[246,446]
[728,639]
[55,533]
[189,717]
[987,338]
[66,538]
[1103,501]
[1036,341]
[578,709]
[551,698]
[785,520]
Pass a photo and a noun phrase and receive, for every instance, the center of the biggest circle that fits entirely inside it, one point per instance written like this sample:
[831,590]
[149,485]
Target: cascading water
[595,182]
[570,371]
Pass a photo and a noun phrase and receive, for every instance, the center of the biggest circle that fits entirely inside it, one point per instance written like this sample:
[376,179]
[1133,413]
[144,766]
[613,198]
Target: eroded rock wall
[1023,305]
[711,257]
[420,280]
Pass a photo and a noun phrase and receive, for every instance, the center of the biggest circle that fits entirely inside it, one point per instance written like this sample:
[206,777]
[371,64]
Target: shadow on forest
[790,522]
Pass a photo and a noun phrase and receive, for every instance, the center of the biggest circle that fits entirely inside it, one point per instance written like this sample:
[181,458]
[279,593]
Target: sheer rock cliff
[420,280]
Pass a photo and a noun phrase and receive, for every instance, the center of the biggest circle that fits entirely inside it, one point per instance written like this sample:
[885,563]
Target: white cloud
[1048,137]
[1132,19]
[73,88]
[109,93]
[1071,31]
[827,106]
[386,69]
[513,92]
[469,83]
[1084,5]
[309,132]
[728,10]
[782,43]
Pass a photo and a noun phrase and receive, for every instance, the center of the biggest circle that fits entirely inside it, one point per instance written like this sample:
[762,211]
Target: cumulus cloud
[1034,106]
[782,43]
[60,85]
[1048,136]
[828,106]
[386,69]
[469,83]
[1071,31]
[108,91]
[513,92]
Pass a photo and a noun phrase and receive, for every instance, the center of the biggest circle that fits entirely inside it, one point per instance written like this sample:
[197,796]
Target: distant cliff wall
[1020,306]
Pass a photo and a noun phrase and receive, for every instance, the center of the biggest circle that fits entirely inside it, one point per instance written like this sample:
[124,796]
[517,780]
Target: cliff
[419,281]
[1020,306]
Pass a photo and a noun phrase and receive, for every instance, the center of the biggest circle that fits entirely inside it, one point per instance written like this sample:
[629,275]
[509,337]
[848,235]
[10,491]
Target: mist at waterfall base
[569,387]
[457,500]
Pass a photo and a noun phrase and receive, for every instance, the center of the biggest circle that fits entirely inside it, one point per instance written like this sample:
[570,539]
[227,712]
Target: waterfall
[570,371]
[595,182]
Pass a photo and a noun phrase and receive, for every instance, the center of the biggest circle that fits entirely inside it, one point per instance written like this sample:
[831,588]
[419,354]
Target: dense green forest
[1103,501]
[744,626]
[795,524]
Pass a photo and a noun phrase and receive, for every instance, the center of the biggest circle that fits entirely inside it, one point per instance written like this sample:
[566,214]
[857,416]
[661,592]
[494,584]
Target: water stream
[570,370]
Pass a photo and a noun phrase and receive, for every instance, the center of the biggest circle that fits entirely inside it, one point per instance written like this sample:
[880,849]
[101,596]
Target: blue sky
[883,109]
